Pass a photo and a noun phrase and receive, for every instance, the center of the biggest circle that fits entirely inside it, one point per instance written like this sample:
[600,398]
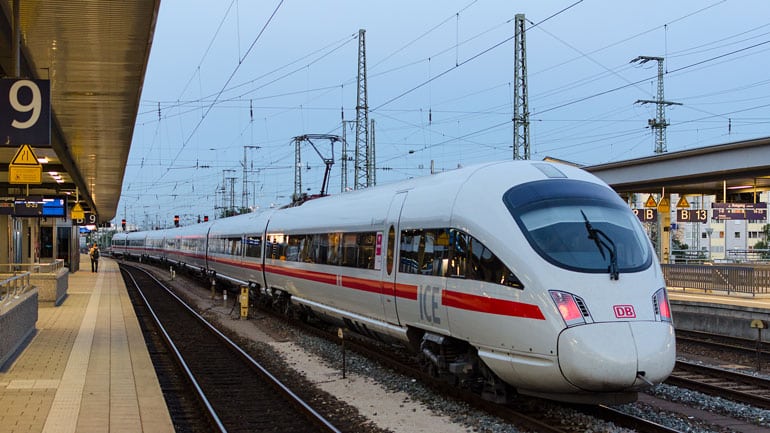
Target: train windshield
[580,226]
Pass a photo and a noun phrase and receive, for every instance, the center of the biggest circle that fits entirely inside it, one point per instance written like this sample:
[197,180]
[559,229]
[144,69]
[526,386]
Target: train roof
[435,195]
[240,224]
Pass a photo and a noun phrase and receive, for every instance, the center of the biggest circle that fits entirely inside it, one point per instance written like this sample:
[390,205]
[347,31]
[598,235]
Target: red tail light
[661,305]
[568,307]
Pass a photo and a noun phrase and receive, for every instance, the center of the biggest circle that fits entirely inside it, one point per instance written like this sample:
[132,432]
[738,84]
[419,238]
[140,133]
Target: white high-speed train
[525,275]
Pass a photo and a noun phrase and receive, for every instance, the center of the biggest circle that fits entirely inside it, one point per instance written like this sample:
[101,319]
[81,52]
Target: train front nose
[609,356]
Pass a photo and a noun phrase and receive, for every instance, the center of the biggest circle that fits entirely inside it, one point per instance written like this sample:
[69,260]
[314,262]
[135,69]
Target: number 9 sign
[25,112]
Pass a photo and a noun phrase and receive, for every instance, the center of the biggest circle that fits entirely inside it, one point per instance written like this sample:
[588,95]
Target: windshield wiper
[603,243]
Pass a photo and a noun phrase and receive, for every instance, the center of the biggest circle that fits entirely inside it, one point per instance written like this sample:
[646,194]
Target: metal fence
[15,278]
[35,268]
[751,280]
[12,287]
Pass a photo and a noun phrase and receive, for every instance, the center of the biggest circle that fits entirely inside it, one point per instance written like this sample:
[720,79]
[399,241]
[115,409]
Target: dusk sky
[229,76]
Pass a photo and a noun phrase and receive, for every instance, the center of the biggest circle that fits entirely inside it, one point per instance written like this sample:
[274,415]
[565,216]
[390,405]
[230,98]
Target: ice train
[518,275]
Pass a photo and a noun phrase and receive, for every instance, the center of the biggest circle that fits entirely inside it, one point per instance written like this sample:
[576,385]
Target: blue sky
[226,76]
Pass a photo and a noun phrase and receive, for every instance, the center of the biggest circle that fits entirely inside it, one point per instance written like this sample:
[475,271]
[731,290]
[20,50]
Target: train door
[204,249]
[390,243]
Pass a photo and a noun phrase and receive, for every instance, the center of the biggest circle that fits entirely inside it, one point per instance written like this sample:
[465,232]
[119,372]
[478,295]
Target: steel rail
[318,419]
[743,388]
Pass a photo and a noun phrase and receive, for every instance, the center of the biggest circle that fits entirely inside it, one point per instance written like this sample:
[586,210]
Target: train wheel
[427,366]
[493,389]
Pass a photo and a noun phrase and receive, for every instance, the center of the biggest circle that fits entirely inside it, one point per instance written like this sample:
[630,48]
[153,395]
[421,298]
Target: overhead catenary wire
[443,123]
[224,86]
[466,61]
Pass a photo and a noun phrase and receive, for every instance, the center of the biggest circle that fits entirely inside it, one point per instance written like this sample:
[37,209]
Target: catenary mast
[520,93]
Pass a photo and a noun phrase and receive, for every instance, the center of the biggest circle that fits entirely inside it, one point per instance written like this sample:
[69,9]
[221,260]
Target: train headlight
[571,308]
[660,304]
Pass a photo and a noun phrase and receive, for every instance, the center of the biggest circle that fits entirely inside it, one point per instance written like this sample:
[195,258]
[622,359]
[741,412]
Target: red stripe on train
[485,304]
[363,284]
[318,277]
[406,291]
[449,298]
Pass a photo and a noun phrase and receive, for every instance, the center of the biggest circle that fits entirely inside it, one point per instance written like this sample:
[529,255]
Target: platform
[87,368]
[719,312]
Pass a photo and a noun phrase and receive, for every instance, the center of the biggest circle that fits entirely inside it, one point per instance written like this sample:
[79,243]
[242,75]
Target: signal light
[176,220]
[205,218]
[123,224]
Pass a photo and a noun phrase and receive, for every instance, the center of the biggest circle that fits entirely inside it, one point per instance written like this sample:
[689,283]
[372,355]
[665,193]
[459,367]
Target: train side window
[219,245]
[349,249]
[276,246]
[366,251]
[485,266]
[317,248]
[253,247]
[352,250]
[459,254]
[410,245]
[332,254]
[426,252]
[304,247]
[440,253]
[233,246]
[291,248]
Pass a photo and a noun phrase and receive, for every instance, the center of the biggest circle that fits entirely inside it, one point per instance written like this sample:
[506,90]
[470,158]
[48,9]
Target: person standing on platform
[94,254]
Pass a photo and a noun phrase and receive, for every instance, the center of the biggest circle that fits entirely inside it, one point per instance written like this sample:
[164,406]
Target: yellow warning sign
[682,203]
[77,212]
[24,167]
[650,202]
[25,156]
[664,205]
[21,174]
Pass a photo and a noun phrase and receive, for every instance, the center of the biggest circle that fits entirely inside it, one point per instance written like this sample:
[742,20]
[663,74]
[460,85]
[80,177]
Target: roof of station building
[95,55]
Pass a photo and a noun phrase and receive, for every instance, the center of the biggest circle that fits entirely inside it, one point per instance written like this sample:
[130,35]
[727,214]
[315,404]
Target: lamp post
[245,199]
[709,231]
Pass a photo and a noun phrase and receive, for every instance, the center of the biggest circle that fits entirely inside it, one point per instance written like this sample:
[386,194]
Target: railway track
[723,342]
[526,413]
[734,386]
[237,392]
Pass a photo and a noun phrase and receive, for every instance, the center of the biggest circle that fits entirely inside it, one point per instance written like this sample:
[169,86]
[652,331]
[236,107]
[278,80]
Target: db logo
[624,311]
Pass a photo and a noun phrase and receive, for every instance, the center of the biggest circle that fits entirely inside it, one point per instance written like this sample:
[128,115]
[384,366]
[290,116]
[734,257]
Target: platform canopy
[736,167]
[95,55]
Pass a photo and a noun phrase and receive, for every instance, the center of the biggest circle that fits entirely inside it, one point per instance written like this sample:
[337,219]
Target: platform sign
[646,215]
[77,212]
[24,167]
[692,216]
[739,211]
[55,207]
[89,219]
[33,206]
[28,206]
[651,202]
[25,112]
